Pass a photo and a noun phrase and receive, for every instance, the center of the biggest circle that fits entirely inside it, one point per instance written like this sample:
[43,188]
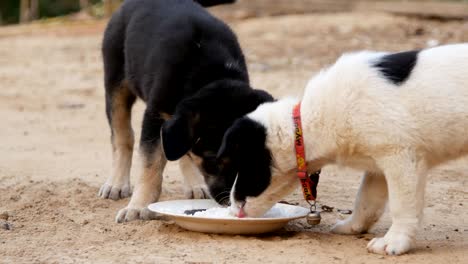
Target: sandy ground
[55,151]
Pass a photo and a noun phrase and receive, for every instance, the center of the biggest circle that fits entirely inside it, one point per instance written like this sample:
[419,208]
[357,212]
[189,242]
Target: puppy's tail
[208,3]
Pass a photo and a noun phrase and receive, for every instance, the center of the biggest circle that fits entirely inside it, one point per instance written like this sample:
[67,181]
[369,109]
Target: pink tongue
[241,213]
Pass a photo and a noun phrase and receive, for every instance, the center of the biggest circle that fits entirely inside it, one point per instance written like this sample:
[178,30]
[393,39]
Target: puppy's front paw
[197,192]
[390,244]
[348,227]
[115,191]
[128,214]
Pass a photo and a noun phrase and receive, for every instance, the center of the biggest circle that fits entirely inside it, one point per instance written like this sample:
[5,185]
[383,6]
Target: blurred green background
[10,9]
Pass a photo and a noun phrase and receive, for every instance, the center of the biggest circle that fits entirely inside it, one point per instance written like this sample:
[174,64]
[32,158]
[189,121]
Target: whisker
[222,193]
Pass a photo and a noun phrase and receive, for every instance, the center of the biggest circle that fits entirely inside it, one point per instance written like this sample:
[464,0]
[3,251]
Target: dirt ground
[55,150]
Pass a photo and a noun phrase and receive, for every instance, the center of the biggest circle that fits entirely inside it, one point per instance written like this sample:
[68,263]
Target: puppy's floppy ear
[177,136]
[230,145]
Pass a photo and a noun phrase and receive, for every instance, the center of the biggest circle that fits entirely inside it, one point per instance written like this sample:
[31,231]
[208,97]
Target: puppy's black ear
[230,145]
[176,137]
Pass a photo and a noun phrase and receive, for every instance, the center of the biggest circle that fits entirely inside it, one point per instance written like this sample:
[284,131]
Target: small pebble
[327,208]
[71,106]
[5,225]
[447,237]
[432,43]
[344,211]
[456,230]
[15,198]
[4,216]
[419,31]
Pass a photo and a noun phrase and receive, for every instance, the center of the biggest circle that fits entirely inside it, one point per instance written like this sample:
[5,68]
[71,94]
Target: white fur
[353,116]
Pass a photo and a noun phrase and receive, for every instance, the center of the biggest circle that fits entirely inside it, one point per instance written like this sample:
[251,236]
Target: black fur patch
[176,137]
[150,135]
[397,67]
[244,153]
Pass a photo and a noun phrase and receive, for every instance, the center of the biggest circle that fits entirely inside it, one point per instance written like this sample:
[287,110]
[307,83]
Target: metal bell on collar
[313,218]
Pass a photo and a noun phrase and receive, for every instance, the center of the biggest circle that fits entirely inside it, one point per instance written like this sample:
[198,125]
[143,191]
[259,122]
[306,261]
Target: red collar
[308,183]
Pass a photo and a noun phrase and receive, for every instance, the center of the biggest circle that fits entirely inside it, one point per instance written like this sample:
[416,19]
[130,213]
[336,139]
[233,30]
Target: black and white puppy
[393,115]
[189,69]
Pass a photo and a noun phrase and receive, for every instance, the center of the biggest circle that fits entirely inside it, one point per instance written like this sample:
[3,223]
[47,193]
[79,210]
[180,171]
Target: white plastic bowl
[235,226]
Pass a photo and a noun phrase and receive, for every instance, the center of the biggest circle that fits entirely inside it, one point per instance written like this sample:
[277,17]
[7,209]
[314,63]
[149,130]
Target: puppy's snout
[237,209]
[241,213]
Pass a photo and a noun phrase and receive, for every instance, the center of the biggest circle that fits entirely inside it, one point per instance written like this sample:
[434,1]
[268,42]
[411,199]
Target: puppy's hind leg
[148,186]
[119,102]
[368,207]
[194,183]
[119,111]
[406,179]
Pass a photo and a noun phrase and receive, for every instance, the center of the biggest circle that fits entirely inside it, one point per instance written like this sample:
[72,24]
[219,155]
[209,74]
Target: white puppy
[393,115]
